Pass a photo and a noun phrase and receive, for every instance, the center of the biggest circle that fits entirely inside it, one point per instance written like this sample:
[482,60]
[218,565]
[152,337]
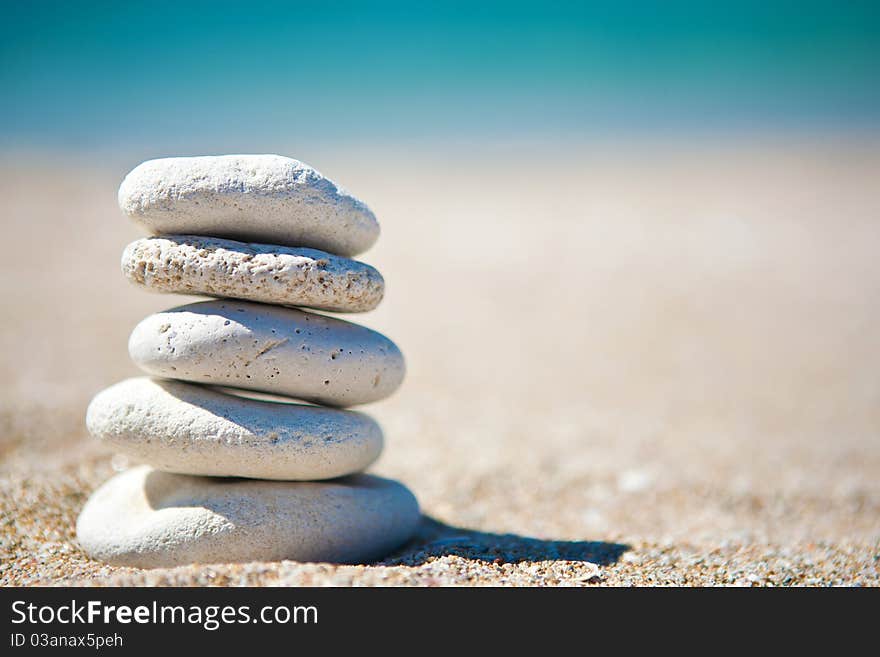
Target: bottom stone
[150,519]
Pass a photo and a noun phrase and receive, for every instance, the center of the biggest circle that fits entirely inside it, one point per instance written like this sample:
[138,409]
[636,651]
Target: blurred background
[157,77]
[630,248]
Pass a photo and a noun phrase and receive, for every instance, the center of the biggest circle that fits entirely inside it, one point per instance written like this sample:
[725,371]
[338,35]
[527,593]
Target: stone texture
[257,198]
[146,518]
[265,273]
[281,351]
[191,429]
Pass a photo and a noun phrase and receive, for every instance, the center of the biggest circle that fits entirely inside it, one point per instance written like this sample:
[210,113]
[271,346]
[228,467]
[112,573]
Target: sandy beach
[627,364]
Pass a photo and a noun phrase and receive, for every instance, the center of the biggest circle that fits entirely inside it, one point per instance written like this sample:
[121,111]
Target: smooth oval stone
[150,519]
[266,273]
[257,198]
[190,429]
[280,351]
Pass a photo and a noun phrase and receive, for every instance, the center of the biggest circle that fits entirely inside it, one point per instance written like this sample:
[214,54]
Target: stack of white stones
[233,473]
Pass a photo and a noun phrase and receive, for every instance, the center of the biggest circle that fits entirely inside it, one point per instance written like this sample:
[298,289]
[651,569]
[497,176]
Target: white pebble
[280,351]
[189,429]
[149,519]
[267,273]
[257,198]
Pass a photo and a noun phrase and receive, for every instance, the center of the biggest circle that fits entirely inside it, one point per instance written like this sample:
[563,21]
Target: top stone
[260,198]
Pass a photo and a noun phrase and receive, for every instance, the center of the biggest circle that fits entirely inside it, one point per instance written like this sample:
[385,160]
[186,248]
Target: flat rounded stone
[271,349]
[149,519]
[266,273]
[256,198]
[190,429]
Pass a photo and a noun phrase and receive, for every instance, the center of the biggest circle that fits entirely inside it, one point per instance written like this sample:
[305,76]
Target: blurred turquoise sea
[177,76]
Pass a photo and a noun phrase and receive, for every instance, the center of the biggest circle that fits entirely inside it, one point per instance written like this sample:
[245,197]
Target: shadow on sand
[435,539]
